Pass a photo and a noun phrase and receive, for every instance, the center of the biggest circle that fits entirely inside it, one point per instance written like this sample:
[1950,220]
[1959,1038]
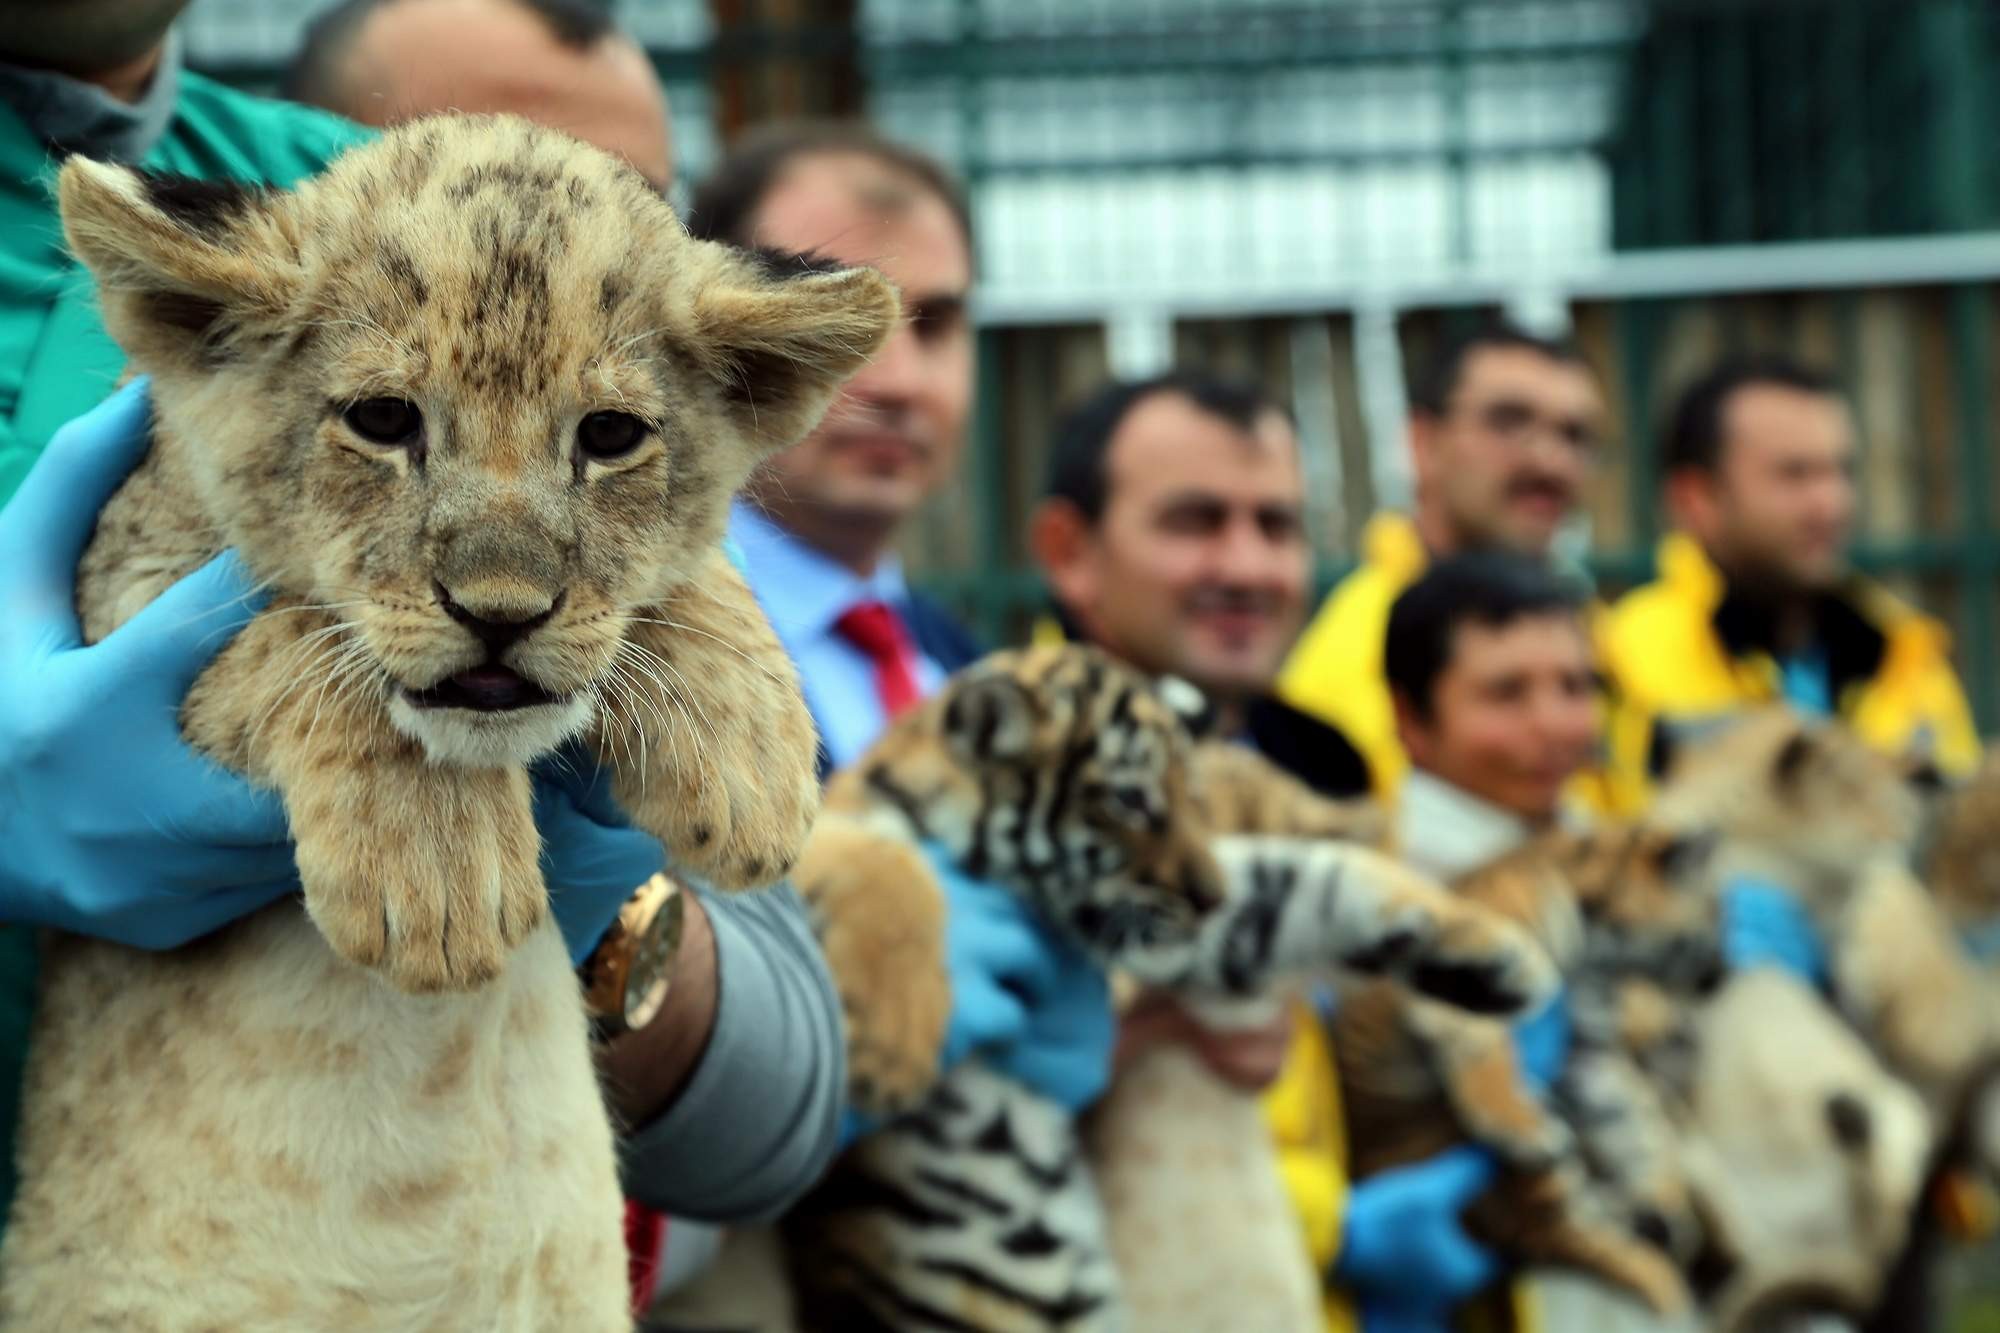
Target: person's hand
[1249,1058]
[1031,1002]
[1541,1043]
[1403,1244]
[592,858]
[1765,925]
[1065,1054]
[110,823]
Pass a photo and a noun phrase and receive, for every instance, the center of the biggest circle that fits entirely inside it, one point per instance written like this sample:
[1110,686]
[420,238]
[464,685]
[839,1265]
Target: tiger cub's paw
[1441,945]
[1482,962]
[880,914]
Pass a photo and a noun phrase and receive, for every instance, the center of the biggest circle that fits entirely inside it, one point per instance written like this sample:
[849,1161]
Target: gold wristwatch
[627,977]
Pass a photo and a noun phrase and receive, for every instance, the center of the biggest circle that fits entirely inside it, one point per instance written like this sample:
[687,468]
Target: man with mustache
[1504,432]
[1755,600]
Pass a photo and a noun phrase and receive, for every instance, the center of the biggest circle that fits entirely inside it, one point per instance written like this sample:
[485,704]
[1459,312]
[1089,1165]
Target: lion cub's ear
[181,264]
[781,332]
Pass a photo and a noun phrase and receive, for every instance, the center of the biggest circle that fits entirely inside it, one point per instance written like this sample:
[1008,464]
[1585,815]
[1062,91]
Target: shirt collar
[80,117]
[1446,831]
[801,589]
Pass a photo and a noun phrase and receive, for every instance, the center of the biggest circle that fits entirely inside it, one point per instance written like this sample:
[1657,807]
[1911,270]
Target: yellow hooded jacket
[1683,654]
[1335,671]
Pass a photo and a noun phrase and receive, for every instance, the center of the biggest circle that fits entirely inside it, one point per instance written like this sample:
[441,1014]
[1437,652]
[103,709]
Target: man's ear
[1691,502]
[181,264]
[1411,730]
[1423,437]
[1058,534]
[782,332]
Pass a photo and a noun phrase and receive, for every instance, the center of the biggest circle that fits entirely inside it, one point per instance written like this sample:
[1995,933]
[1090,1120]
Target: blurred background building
[1312,193]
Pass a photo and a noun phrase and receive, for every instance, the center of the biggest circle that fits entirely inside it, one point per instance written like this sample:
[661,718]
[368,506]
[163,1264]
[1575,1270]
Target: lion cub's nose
[498,624]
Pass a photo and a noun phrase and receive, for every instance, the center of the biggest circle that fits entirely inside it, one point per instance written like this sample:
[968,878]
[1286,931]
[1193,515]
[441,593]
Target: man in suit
[818,525]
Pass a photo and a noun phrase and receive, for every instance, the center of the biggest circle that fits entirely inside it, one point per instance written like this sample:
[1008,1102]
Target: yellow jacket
[1335,670]
[1303,1108]
[1680,655]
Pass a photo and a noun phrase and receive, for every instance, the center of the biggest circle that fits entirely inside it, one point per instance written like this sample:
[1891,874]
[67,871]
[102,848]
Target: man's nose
[896,375]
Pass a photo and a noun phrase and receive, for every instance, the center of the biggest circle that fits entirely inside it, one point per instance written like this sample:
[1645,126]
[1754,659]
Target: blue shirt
[1808,682]
[804,592]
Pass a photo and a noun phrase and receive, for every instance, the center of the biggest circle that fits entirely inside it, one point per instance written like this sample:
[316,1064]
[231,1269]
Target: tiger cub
[1071,780]
[1417,1077]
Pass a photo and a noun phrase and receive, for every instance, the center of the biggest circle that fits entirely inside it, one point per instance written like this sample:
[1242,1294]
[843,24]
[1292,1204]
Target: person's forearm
[645,1070]
[746,1126]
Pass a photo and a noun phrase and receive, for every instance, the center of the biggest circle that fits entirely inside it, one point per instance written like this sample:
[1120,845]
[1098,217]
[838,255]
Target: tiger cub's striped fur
[1070,779]
[1612,904]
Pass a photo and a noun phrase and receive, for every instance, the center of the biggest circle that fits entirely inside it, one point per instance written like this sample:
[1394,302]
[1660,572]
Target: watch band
[627,977]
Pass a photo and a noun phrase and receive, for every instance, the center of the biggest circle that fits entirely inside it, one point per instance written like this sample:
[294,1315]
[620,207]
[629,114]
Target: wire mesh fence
[1308,193]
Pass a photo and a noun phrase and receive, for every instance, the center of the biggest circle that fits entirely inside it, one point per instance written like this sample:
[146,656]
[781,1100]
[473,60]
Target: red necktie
[645,1246]
[876,629]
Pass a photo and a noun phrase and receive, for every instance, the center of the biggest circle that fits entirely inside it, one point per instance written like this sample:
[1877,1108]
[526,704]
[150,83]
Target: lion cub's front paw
[432,881]
[881,924]
[740,829]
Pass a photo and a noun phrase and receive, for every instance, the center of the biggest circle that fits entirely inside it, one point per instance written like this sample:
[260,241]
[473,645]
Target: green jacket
[56,361]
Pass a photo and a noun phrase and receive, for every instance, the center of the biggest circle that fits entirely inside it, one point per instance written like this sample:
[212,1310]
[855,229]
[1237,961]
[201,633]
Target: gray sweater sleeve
[759,1120]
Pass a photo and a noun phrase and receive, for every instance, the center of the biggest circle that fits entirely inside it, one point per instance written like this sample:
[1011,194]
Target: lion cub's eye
[610,434]
[385,420]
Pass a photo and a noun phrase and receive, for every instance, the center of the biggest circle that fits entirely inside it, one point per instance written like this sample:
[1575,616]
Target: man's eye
[384,420]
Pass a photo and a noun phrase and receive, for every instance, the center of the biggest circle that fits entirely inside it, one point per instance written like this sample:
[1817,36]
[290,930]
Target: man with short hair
[819,522]
[1490,664]
[1172,535]
[1488,660]
[1504,433]
[559,62]
[1756,601]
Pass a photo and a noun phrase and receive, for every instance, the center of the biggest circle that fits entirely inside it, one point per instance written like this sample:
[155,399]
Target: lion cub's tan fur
[374,1108]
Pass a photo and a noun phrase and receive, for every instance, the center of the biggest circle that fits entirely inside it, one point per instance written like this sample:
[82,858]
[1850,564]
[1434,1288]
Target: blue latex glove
[110,824]
[1764,925]
[1072,1032]
[1403,1249]
[1542,1043]
[1037,1007]
[592,858]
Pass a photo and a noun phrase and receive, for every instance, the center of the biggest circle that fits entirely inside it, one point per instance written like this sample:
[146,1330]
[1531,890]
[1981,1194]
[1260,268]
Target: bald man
[558,62]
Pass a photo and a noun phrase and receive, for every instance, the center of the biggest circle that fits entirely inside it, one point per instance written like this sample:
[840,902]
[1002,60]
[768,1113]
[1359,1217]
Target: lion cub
[472,403]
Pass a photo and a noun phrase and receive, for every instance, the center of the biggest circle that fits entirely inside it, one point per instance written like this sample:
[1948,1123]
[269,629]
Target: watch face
[654,916]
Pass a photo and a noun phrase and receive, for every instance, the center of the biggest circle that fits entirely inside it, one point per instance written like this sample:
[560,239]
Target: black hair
[1492,589]
[315,74]
[725,204]
[1077,454]
[1432,387]
[1694,434]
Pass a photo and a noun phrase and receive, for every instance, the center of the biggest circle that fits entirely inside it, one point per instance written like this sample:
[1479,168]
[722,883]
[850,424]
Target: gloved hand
[110,824]
[1402,1245]
[1039,1009]
[1072,1032]
[1763,924]
[1541,1042]
[591,857]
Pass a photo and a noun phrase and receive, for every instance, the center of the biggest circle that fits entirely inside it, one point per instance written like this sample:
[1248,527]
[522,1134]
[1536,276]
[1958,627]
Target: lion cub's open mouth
[491,688]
